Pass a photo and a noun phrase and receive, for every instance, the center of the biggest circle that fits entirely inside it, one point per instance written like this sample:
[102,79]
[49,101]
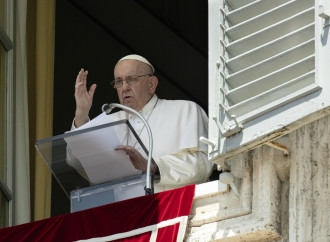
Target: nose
[125,86]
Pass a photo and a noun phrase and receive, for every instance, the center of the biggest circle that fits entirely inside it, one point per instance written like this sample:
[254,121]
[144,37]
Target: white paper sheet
[95,151]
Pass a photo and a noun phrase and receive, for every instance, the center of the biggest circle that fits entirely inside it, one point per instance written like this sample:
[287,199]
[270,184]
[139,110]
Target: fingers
[82,77]
[79,76]
[92,90]
[130,151]
[122,147]
[80,86]
[79,82]
[80,90]
[138,161]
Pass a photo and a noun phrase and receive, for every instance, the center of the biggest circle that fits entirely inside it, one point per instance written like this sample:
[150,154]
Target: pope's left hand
[138,161]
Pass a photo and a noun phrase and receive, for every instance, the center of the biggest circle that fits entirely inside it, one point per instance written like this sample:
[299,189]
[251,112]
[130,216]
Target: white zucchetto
[139,58]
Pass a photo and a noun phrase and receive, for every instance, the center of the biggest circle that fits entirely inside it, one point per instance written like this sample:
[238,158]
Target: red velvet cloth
[110,219]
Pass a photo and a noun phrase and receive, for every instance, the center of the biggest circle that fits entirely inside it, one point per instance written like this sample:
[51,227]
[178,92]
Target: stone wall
[280,198]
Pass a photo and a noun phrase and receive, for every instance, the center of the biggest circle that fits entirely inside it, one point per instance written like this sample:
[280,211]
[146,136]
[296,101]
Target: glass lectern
[89,170]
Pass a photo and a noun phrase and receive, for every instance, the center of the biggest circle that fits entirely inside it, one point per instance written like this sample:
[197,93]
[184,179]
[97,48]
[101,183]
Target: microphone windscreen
[106,108]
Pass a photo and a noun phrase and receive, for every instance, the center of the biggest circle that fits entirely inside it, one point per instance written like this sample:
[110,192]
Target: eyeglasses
[131,80]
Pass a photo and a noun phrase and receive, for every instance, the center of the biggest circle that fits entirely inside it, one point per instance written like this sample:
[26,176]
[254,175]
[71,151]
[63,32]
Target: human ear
[153,82]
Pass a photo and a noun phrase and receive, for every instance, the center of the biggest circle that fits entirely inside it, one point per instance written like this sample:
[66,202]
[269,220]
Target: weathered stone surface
[281,198]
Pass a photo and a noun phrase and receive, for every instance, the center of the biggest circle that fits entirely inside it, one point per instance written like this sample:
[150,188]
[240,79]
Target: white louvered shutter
[269,70]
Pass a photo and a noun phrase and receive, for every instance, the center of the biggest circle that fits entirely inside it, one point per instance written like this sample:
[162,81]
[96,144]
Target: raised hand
[84,98]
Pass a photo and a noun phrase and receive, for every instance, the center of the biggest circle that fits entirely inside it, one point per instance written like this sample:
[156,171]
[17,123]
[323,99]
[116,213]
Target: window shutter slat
[268,55]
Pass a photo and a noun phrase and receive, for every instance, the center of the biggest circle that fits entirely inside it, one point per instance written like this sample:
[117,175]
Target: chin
[129,104]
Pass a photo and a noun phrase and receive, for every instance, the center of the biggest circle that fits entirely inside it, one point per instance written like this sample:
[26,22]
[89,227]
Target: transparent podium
[89,170]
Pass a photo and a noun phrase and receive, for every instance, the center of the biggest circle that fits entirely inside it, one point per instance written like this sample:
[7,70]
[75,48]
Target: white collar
[150,105]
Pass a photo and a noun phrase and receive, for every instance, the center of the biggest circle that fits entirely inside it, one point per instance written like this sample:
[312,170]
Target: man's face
[138,95]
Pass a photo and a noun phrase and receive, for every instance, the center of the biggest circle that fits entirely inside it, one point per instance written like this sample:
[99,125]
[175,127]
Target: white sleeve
[73,127]
[187,167]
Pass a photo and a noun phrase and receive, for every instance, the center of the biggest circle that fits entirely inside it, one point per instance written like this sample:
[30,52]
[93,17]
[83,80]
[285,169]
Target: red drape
[108,220]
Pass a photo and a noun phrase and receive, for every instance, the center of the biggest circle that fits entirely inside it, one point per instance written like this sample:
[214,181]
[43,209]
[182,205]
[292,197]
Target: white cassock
[176,126]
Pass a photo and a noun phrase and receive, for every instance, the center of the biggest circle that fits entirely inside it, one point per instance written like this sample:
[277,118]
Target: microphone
[107,109]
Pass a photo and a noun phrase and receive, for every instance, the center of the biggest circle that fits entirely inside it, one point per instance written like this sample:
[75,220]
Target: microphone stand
[107,109]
